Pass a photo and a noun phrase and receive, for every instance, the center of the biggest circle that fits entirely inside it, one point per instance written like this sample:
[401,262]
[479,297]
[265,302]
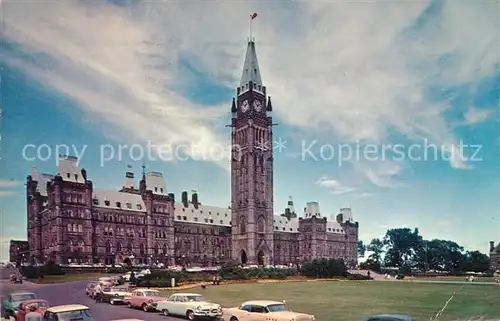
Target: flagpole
[251,28]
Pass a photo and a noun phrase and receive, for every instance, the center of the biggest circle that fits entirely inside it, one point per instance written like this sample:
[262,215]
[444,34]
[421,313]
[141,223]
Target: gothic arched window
[130,247]
[155,249]
[165,249]
[81,245]
[141,249]
[118,247]
[261,225]
[80,228]
[70,228]
[71,246]
[108,247]
[242,225]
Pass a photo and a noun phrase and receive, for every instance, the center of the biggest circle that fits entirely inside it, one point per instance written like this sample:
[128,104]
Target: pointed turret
[142,184]
[250,76]
[269,106]
[233,107]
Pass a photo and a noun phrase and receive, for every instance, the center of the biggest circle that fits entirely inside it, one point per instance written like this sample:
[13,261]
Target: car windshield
[277,308]
[23,296]
[195,298]
[38,305]
[152,293]
[119,289]
[78,315]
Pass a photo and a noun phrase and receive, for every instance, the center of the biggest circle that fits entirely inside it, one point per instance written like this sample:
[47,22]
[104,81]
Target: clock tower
[252,167]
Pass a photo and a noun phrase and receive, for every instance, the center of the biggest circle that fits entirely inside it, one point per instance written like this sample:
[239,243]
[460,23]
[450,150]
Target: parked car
[265,310]
[10,302]
[115,295]
[41,306]
[390,317]
[144,299]
[68,312]
[190,305]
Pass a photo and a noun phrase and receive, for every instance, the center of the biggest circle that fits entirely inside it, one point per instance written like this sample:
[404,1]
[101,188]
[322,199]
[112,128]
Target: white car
[189,305]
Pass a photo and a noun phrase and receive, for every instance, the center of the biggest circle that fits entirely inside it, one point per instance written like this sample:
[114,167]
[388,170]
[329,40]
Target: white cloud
[333,185]
[382,174]
[9,183]
[324,68]
[475,116]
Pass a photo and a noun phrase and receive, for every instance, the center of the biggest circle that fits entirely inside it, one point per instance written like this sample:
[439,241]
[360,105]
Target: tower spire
[251,70]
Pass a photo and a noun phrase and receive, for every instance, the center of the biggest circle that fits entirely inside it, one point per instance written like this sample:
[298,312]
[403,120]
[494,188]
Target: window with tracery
[261,225]
[243,225]
[118,247]
[108,247]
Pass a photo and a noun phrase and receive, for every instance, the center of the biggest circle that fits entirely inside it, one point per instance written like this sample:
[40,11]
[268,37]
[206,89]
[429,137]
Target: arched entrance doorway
[127,261]
[260,258]
[243,258]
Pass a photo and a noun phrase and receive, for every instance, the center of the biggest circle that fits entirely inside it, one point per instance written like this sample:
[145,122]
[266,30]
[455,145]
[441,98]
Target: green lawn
[69,277]
[447,279]
[354,300]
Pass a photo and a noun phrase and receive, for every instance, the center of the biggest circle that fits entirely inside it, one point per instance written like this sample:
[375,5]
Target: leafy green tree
[439,255]
[361,248]
[475,261]
[377,248]
[401,244]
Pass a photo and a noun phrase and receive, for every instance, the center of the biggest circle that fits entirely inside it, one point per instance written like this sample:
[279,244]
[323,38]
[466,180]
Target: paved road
[74,292]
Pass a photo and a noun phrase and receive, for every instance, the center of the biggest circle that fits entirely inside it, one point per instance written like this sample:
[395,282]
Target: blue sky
[123,73]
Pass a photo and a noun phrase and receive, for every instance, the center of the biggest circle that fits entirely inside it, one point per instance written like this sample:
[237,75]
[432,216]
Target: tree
[361,248]
[401,244]
[475,261]
[377,248]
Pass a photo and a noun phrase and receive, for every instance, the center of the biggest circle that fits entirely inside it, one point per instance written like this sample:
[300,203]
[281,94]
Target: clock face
[244,106]
[257,105]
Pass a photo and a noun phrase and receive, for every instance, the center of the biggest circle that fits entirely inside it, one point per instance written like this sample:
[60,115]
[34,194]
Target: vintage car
[189,305]
[10,302]
[144,299]
[262,310]
[114,295]
[390,317]
[67,313]
[41,306]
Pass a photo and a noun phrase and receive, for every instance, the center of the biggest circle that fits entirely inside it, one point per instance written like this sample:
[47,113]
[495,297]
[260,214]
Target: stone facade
[495,256]
[70,221]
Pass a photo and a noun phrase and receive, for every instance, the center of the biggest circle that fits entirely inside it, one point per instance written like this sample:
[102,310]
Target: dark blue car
[390,317]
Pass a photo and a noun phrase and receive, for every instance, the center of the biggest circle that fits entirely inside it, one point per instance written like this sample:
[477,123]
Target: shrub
[358,277]
[33,272]
[323,268]
[116,270]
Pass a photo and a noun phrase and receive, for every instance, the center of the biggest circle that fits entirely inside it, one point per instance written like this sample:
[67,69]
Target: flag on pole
[253,16]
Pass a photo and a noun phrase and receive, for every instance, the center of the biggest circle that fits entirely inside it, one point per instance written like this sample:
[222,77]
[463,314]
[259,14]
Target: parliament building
[70,221]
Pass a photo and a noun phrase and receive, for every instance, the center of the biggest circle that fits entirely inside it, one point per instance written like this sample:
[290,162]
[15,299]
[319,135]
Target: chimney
[194,200]
[492,246]
[172,197]
[185,198]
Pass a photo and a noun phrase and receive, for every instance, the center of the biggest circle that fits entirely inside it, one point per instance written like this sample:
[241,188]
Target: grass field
[354,300]
[455,278]
[68,278]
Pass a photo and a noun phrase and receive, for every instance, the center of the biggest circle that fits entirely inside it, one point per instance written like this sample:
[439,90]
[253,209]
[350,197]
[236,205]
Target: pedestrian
[33,315]
[98,292]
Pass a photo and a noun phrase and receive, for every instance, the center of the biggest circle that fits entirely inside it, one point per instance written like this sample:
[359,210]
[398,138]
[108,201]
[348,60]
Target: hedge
[33,272]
